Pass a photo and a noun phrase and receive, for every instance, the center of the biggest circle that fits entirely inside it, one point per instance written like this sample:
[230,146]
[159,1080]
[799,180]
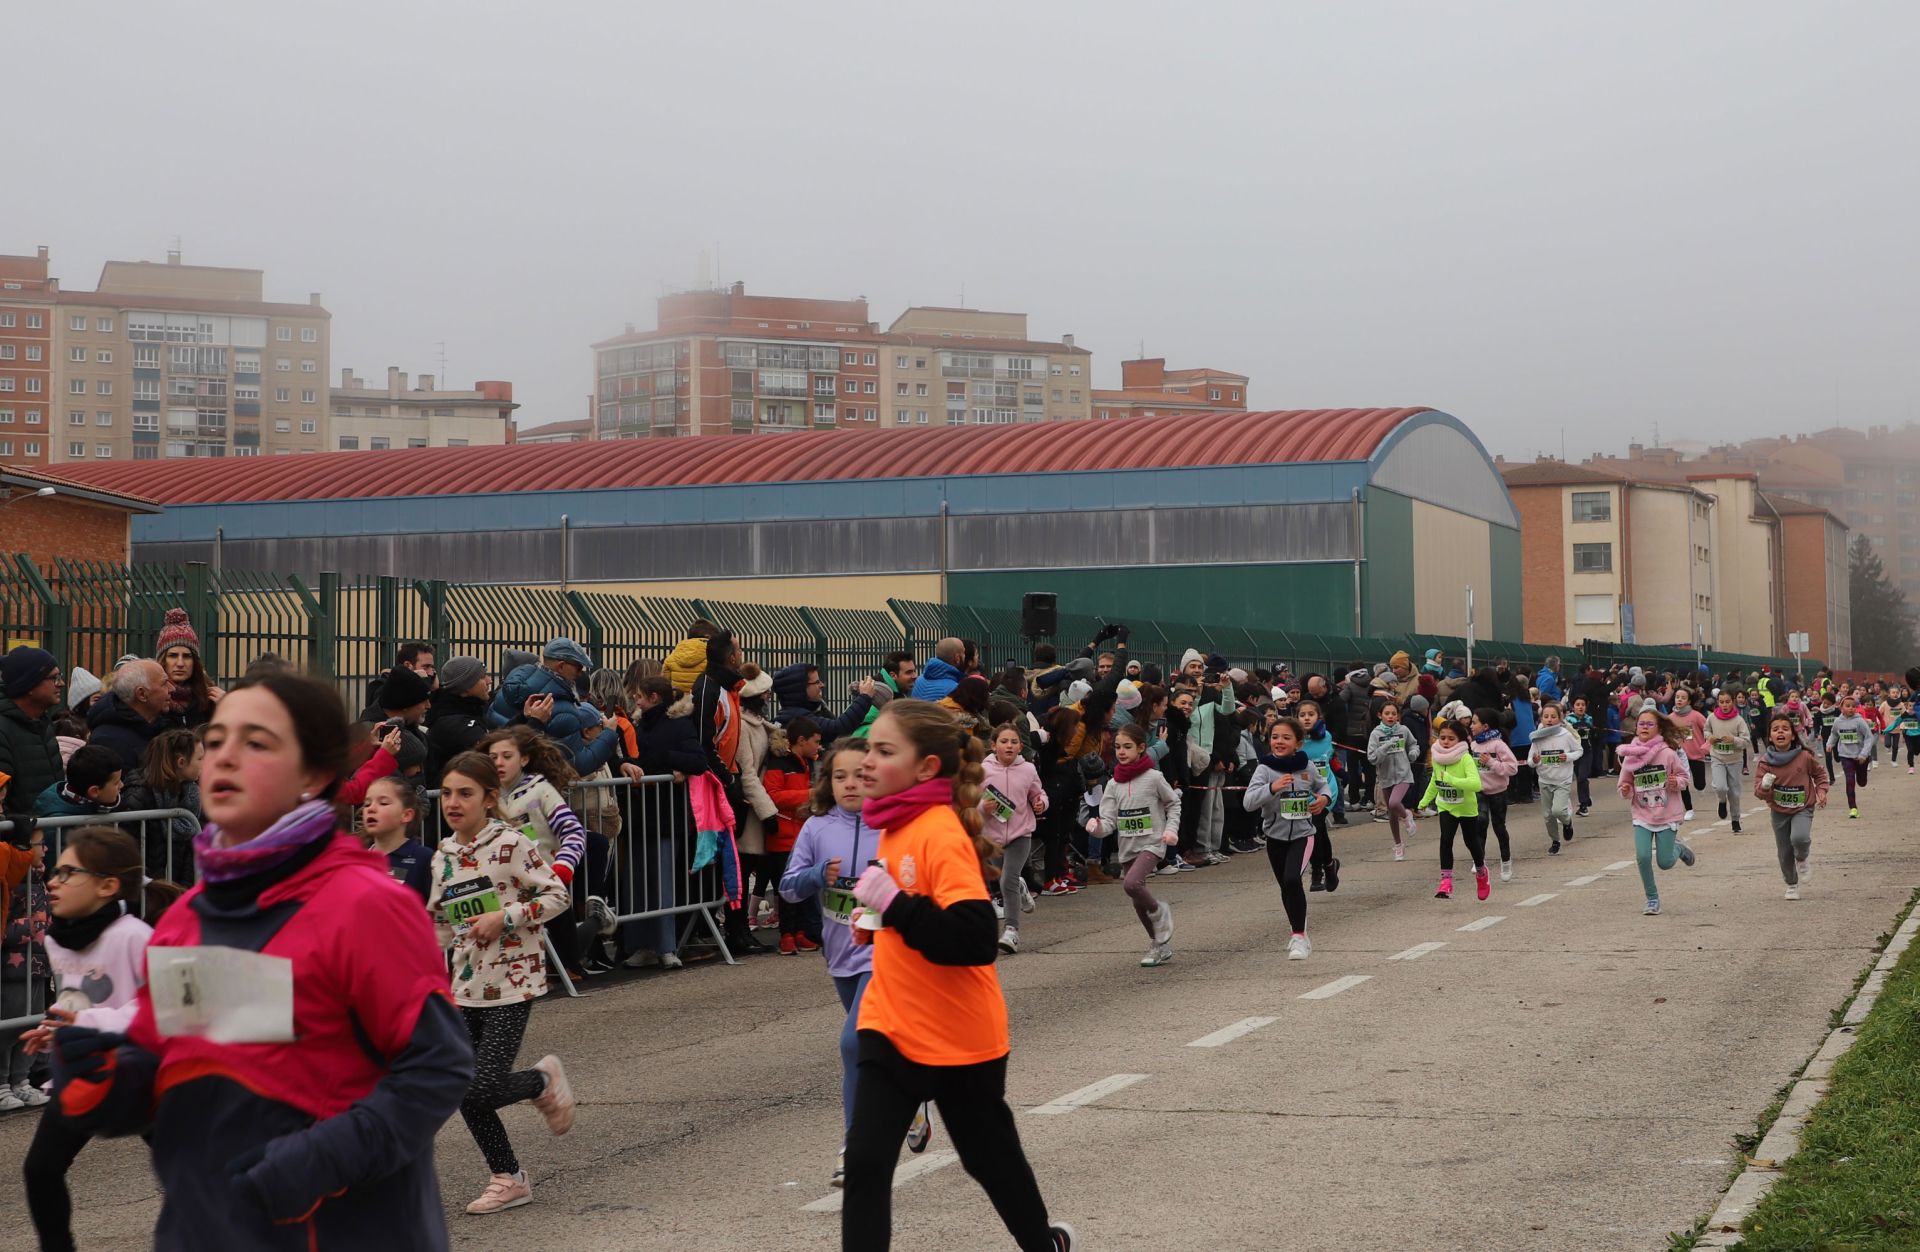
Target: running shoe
[1582,811]
[1158,954]
[1793,893]
[1010,940]
[920,1134]
[1319,882]
[1299,948]
[805,944]
[1333,874]
[1426,812]
[1723,810]
[1853,812]
[30,1095]
[1685,852]
[1482,882]
[1215,858]
[641,959]
[1569,832]
[1169,868]
[10,1101]
[1554,848]
[1652,909]
[1399,851]
[1506,871]
[1062,1237]
[1339,817]
[1163,924]
[1026,896]
[1446,888]
[504,1191]
[600,918]
[1244,846]
[1410,828]
[788,947]
[1736,825]
[1380,815]
[671,960]
[1058,887]
[1688,817]
[555,1102]
[1184,866]
[1801,870]
[999,909]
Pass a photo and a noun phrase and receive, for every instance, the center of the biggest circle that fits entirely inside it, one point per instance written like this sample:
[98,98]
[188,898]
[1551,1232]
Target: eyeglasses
[65,872]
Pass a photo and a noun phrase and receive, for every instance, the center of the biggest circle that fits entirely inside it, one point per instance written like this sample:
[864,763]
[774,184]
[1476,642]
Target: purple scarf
[312,820]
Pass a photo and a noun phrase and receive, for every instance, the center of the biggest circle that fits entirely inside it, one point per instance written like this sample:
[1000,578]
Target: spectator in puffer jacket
[563,663]
[799,689]
[688,660]
[944,672]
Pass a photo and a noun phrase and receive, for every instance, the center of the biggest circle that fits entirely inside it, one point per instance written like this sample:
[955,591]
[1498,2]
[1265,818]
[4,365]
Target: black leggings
[1496,813]
[1472,829]
[1322,844]
[888,1090]
[496,1032]
[56,1143]
[1287,856]
[1913,746]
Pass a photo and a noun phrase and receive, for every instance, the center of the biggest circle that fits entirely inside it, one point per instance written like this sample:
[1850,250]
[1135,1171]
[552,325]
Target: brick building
[555,432]
[78,521]
[26,359]
[973,367]
[1149,389]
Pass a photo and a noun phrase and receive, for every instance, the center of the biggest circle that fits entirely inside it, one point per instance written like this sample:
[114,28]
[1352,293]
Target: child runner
[1727,739]
[1393,750]
[1581,722]
[1851,741]
[1143,810]
[492,895]
[1555,754]
[933,1020]
[388,818]
[832,844]
[1497,767]
[1793,783]
[1693,744]
[534,772]
[96,946]
[1908,724]
[1289,794]
[1651,769]
[1454,790]
[1824,716]
[1013,801]
[1318,745]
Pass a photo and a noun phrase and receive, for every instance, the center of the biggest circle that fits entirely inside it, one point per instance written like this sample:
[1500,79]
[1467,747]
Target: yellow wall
[1591,584]
[1661,551]
[1451,552]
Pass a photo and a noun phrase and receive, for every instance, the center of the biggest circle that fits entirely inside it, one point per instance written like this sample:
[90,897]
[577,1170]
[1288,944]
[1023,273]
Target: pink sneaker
[504,1191]
[1482,884]
[556,1102]
[1446,887]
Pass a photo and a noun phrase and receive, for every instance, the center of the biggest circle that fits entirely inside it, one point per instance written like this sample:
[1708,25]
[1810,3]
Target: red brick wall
[1804,575]
[1543,572]
[44,528]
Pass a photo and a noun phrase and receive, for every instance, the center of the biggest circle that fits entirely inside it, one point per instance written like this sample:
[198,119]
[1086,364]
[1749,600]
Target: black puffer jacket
[28,753]
[455,724]
[113,725]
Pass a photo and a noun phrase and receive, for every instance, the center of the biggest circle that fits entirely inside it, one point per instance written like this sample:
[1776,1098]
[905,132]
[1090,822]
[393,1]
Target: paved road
[1567,1076]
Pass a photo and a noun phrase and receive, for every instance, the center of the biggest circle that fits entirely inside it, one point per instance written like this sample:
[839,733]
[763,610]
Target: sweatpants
[1793,840]
[1557,803]
[849,987]
[1472,829]
[1494,812]
[1726,783]
[973,1108]
[56,1144]
[1287,856]
[1213,814]
[496,1032]
[1644,843]
[1139,869]
[1397,808]
[1854,769]
[1013,862]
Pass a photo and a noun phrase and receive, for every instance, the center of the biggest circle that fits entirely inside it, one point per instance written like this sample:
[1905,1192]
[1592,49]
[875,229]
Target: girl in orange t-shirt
[933,1022]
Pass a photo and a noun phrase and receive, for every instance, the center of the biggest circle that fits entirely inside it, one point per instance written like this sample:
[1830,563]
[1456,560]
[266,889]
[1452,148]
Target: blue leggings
[1645,843]
[850,987]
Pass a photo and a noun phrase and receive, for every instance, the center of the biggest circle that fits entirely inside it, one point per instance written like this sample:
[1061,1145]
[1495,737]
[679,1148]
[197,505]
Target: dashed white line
[905,1173]
[1227,1034]
[1088,1094]
[1481,923]
[1581,882]
[1542,898]
[1417,951]
[1335,987]
[1619,865]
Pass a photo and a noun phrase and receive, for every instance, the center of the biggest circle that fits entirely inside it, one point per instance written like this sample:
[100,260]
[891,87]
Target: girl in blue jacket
[1318,746]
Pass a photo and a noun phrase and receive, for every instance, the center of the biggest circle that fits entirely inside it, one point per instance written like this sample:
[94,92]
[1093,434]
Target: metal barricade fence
[24,1001]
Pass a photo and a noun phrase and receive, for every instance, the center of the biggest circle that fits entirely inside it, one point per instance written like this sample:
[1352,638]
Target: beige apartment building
[179,360]
[973,367]
[361,417]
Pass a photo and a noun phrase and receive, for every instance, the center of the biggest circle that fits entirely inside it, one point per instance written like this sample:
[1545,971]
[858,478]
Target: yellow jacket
[686,662]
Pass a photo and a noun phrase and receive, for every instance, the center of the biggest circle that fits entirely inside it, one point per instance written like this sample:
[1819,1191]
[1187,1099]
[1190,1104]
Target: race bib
[998,804]
[1553,758]
[837,901]
[1849,737]
[1296,805]
[462,902]
[1653,778]
[1321,770]
[1790,797]
[221,994]
[1448,795]
[1135,822]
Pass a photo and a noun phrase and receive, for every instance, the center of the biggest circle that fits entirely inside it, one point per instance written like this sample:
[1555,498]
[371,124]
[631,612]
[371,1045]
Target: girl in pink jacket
[1012,800]
[1497,768]
[1692,724]
[1651,769]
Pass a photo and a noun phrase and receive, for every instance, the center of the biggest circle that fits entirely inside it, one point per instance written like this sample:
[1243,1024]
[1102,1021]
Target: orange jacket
[789,785]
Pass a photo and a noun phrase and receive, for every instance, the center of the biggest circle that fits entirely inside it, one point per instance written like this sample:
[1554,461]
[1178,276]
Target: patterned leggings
[496,1034]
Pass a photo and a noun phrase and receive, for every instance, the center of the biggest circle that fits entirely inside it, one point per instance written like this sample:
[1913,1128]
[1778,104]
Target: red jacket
[789,784]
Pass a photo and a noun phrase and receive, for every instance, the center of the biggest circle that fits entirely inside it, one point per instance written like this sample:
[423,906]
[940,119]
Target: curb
[1782,1140]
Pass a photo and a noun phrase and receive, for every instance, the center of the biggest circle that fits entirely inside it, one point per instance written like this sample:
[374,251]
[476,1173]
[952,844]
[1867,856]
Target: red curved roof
[1174,441]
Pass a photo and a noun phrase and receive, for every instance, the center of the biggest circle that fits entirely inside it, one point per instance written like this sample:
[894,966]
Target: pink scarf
[894,811]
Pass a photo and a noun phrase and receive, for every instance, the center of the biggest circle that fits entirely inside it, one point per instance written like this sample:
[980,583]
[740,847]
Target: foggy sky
[1536,216]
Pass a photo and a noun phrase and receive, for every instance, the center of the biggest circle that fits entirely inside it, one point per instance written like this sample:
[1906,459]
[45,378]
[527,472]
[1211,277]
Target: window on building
[6,447]
[821,412]
[6,417]
[282,426]
[307,396]
[104,325]
[76,386]
[416,443]
[869,358]
[919,389]
[456,443]
[76,417]
[77,355]
[308,365]
[33,386]
[378,443]
[33,417]
[1213,393]
[873,415]
[851,358]
[900,362]
[920,417]
[35,352]
[103,450]
[1593,610]
[283,333]
[872,387]
[1073,397]
[853,386]
[1592,558]
[146,421]
[6,319]
[1592,506]
[30,448]
[103,356]
[309,335]
[6,384]
[1236,393]
[899,389]
[1058,395]
[76,451]
[1074,370]
[103,418]
[283,364]
[349,443]
[34,322]
[77,321]
[282,395]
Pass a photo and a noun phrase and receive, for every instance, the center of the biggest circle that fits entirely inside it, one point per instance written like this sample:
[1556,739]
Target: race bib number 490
[465,901]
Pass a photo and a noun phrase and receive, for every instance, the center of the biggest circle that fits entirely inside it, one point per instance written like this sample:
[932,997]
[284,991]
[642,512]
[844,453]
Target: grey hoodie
[1559,738]
[1852,736]
[1393,750]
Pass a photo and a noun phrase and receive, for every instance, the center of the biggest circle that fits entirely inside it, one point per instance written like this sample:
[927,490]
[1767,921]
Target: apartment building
[1812,538]
[556,432]
[724,361]
[1149,389]
[27,314]
[369,418]
[975,367]
[168,360]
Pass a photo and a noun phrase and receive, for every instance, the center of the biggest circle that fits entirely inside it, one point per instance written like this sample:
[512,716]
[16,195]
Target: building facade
[1149,389]
[362,417]
[27,315]
[556,432]
[1822,608]
[974,367]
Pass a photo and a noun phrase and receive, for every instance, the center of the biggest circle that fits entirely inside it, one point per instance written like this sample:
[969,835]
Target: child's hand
[1170,838]
[486,928]
[1319,805]
[831,869]
[1093,825]
[1281,783]
[39,1040]
[1040,806]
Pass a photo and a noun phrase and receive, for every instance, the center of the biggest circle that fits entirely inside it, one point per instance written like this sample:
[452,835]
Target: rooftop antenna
[442,344]
[963,295]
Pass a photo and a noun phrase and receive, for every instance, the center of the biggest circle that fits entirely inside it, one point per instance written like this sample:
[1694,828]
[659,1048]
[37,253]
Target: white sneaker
[1163,924]
[1299,948]
[1158,954]
[1169,869]
[1688,817]
[1408,833]
[1800,870]
[671,960]
[1506,871]
[1399,851]
[30,1095]
[1010,941]
[1026,896]
[642,959]
[10,1101]
[1000,909]
[1793,893]
[556,1101]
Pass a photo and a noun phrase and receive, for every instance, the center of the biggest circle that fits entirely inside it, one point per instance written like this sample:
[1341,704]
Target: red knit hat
[178,632]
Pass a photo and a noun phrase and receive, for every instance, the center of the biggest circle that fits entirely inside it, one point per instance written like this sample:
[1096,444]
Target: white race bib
[221,994]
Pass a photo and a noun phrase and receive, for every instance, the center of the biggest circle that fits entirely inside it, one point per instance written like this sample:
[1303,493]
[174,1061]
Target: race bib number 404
[1653,778]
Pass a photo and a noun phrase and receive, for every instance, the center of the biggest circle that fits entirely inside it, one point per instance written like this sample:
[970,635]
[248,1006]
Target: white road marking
[1481,923]
[1706,1160]
[1089,1093]
[1417,951]
[905,1173]
[1542,898]
[1619,865]
[1227,1034]
[1335,987]
[1581,882]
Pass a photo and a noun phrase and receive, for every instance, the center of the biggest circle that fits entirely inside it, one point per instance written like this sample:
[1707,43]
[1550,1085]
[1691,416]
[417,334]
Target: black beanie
[25,668]
[403,689]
